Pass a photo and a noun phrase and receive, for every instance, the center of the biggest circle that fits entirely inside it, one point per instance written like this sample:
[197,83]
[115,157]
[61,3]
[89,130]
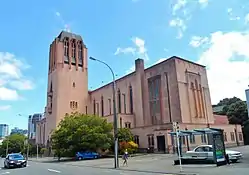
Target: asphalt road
[156,164]
[39,168]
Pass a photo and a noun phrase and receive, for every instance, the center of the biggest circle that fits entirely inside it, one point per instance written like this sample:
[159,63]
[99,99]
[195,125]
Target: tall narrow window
[94,107]
[198,99]
[120,122]
[131,99]
[66,50]
[86,110]
[110,106]
[73,52]
[154,86]
[124,101]
[194,97]
[80,54]
[102,106]
[119,101]
[97,105]
[202,101]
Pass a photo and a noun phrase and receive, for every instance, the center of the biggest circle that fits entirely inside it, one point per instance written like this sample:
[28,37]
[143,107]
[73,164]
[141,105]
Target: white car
[207,150]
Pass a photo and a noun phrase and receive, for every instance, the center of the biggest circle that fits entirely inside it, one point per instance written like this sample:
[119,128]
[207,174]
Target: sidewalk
[50,159]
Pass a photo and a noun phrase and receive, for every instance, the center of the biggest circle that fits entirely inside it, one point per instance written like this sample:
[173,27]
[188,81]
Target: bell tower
[67,89]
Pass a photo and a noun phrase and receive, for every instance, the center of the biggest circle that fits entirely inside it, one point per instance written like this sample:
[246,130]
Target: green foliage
[15,143]
[43,150]
[235,109]
[237,112]
[124,134]
[228,101]
[79,132]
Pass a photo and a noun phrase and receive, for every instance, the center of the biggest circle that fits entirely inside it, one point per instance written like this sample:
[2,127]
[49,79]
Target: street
[147,165]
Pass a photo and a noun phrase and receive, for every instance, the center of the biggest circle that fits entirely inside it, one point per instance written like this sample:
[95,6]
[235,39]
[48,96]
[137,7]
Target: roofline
[166,60]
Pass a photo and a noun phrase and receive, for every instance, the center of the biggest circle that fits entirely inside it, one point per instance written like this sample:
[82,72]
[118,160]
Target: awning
[197,132]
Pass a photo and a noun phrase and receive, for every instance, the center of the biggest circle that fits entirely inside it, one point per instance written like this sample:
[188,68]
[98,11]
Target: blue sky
[210,32]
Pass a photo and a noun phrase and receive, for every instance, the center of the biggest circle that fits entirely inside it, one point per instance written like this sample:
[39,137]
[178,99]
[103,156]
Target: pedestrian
[227,159]
[125,158]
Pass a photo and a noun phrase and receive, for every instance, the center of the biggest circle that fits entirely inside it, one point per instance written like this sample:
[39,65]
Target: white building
[33,119]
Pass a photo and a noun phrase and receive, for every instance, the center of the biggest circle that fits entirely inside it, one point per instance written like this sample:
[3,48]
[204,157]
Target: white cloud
[139,49]
[125,50]
[182,12]
[247,19]
[232,17]
[11,75]
[196,41]
[57,14]
[203,3]
[66,26]
[179,5]
[8,94]
[4,108]
[22,84]
[180,25]
[227,61]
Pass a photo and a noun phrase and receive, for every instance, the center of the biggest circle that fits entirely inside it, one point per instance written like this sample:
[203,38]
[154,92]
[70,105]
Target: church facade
[148,100]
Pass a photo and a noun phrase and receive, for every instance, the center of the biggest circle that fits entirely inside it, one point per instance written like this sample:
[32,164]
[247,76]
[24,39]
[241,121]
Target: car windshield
[16,157]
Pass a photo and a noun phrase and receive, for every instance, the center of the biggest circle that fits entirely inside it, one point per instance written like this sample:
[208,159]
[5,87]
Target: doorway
[161,144]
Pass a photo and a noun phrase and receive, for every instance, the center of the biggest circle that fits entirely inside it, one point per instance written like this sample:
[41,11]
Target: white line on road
[55,171]
[6,173]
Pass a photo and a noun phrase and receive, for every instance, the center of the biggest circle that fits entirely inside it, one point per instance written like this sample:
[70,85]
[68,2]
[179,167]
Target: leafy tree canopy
[15,142]
[80,132]
[124,134]
[228,101]
[237,112]
[235,109]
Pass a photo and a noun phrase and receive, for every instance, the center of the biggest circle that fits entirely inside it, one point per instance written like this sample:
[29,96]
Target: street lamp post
[116,163]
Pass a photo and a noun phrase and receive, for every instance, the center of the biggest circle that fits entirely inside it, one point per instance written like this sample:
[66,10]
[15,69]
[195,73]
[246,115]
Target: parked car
[234,156]
[87,155]
[15,160]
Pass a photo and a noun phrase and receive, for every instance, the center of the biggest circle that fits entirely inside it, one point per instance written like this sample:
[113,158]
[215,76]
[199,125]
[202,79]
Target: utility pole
[27,150]
[176,128]
[115,118]
[37,149]
[7,147]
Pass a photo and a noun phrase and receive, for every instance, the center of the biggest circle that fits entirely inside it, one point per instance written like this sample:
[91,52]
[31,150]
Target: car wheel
[95,157]
[234,161]
[80,158]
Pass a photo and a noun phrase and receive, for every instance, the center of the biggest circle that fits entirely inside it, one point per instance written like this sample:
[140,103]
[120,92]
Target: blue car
[87,155]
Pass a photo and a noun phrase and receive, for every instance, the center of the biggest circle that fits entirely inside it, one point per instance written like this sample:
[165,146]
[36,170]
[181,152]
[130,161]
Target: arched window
[131,99]
[66,50]
[102,106]
[73,52]
[80,54]
[119,101]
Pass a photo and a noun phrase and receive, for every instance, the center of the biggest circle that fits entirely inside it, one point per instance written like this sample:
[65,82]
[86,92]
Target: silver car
[207,150]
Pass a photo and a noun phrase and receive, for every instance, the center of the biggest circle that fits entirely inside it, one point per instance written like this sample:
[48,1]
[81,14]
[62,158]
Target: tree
[15,143]
[80,132]
[237,113]
[228,101]
[124,134]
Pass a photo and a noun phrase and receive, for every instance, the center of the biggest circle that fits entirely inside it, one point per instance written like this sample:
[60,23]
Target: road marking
[55,171]
[6,173]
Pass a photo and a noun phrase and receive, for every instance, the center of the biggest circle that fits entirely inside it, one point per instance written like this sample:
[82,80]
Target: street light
[116,164]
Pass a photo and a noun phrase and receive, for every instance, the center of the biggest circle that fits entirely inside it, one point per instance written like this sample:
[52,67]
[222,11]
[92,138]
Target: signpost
[176,128]
[219,149]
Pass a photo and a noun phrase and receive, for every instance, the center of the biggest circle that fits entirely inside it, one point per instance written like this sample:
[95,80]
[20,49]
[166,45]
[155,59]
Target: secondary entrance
[161,144]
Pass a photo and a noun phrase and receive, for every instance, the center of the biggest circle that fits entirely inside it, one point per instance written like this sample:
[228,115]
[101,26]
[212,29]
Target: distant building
[33,120]
[17,130]
[4,130]
[247,100]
